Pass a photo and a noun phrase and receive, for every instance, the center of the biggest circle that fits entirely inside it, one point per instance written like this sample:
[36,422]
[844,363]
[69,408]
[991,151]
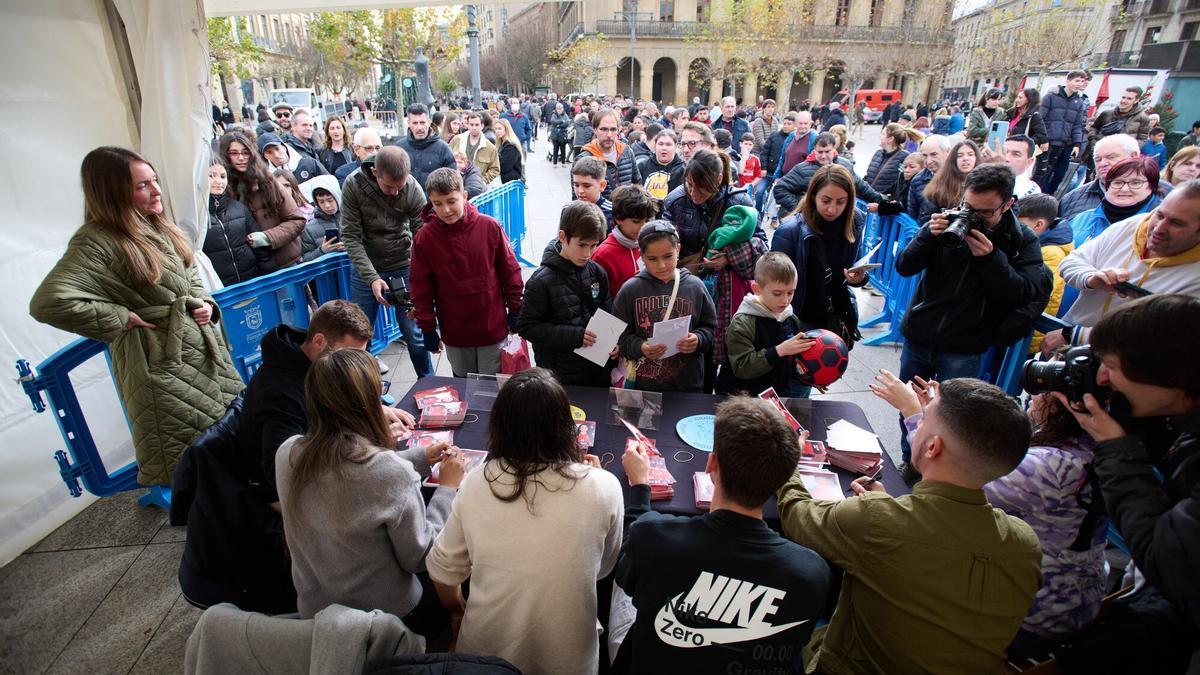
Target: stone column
[682,83]
[783,91]
[714,92]
[750,90]
[816,88]
[608,82]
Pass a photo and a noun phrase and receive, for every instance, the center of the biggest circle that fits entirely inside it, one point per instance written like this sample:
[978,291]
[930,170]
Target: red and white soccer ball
[826,361]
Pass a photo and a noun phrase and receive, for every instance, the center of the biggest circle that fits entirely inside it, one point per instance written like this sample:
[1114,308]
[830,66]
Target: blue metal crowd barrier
[507,205]
[248,311]
[891,234]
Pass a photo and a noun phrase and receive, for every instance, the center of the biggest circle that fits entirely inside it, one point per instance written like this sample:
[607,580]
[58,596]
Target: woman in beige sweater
[534,531]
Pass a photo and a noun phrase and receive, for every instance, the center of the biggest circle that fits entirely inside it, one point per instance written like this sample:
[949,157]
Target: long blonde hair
[1182,155]
[345,420]
[510,136]
[107,175]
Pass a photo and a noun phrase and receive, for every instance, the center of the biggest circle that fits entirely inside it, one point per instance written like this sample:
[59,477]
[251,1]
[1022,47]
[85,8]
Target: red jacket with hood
[464,277]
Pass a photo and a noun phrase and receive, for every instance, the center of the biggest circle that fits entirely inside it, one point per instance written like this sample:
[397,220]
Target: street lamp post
[473,46]
[632,45]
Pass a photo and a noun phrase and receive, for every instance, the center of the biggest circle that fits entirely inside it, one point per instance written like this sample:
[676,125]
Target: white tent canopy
[82,73]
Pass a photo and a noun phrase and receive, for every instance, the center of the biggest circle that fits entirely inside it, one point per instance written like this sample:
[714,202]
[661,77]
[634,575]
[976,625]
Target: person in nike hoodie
[464,277]
[644,301]
[675,568]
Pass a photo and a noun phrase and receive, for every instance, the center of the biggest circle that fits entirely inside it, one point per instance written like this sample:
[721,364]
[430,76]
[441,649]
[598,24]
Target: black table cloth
[814,415]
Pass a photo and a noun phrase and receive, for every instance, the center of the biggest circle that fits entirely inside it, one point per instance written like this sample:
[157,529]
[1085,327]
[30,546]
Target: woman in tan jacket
[277,215]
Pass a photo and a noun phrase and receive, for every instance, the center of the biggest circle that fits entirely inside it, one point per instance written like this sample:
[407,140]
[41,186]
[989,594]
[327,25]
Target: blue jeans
[928,363]
[760,194]
[360,293]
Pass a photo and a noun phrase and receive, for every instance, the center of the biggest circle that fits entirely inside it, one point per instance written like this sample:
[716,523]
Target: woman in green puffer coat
[127,278]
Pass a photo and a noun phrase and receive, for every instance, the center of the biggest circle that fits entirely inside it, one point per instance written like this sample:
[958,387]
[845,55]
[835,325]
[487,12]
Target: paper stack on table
[607,329]
[853,448]
[438,415]
[702,482]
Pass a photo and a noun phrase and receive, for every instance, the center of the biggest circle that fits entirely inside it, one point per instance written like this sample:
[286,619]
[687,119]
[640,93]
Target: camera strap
[1094,511]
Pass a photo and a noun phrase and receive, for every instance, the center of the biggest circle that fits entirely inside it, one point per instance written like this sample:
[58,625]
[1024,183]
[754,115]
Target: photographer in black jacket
[1151,485]
[982,286]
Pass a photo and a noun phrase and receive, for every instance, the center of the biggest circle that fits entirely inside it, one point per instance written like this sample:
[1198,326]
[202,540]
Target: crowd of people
[747,223]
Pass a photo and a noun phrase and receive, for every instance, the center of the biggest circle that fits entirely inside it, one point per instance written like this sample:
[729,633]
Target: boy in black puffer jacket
[563,294]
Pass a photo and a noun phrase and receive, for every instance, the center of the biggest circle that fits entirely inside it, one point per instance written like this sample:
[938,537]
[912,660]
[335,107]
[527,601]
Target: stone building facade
[654,56]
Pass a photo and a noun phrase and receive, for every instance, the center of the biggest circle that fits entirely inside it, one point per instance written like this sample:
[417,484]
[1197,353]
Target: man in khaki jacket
[479,150]
[937,581]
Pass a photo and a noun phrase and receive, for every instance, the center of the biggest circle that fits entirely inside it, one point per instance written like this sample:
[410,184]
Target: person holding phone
[823,238]
[989,109]
[320,235]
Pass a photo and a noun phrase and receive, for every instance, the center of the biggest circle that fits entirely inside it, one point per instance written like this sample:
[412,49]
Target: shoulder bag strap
[674,294]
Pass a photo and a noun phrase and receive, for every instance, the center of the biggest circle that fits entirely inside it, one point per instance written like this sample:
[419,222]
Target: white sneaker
[383,369]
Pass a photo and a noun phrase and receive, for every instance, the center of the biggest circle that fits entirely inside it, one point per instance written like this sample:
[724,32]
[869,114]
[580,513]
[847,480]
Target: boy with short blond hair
[563,294]
[464,277]
[764,335]
[633,206]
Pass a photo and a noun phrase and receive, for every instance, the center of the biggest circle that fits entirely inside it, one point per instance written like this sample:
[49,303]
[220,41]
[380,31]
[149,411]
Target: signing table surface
[815,415]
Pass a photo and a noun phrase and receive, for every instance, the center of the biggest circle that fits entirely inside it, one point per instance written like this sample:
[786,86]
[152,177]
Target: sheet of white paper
[846,436]
[866,258]
[607,329]
[669,333]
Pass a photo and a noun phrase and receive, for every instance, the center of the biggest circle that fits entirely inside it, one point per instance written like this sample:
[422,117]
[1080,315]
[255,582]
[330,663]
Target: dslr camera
[962,220]
[397,294]
[1074,375]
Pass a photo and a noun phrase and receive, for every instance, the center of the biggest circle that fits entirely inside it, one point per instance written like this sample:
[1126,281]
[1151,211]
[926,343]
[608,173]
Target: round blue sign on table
[696,431]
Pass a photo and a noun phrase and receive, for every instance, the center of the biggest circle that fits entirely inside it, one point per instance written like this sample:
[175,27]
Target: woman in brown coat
[276,213]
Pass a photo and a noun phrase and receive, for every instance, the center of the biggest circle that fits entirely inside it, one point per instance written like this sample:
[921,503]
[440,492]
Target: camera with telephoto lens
[1074,375]
[397,294]
[962,221]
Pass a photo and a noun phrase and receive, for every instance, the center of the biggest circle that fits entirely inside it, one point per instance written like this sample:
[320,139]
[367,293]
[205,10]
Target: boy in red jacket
[464,277]
[632,207]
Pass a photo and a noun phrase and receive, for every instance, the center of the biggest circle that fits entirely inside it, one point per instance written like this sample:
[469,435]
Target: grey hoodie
[641,303]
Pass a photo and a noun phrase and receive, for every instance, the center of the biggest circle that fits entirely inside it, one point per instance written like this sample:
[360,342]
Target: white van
[299,98]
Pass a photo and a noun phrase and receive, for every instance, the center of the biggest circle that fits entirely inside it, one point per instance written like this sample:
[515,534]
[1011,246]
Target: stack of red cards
[771,397]
[442,394]
[702,482]
[472,459]
[853,448]
[661,480]
[424,439]
[439,415]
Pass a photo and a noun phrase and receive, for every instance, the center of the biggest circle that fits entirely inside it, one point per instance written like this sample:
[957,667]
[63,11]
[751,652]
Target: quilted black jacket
[560,298]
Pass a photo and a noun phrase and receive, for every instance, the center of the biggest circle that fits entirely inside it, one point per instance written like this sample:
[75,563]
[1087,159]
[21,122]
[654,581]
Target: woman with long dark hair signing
[535,529]
[128,279]
[357,527]
[279,219]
